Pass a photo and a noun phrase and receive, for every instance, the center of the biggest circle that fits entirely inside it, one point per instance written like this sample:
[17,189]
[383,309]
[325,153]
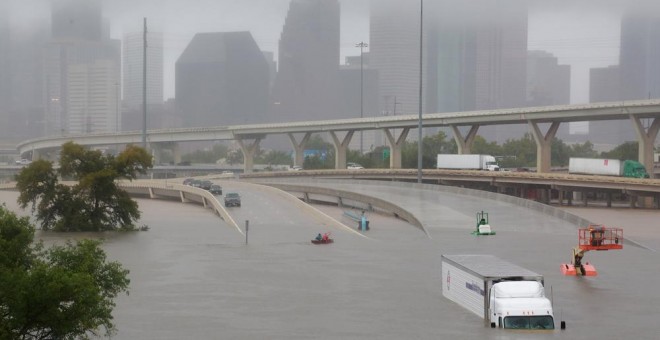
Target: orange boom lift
[594,237]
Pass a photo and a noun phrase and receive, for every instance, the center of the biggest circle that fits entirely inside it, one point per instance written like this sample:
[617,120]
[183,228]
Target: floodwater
[193,276]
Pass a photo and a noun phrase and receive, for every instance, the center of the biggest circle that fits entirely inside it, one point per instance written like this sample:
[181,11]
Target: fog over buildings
[75,66]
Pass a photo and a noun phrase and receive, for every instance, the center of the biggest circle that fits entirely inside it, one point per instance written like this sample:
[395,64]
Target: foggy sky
[582,33]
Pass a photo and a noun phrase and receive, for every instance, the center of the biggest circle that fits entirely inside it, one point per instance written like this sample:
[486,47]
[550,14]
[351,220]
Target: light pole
[361,45]
[419,123]
[117,108]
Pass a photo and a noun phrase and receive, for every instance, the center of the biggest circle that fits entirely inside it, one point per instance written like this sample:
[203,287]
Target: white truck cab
[520,305]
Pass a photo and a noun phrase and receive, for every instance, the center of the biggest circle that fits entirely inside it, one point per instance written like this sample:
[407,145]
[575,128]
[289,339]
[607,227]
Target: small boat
[323,241]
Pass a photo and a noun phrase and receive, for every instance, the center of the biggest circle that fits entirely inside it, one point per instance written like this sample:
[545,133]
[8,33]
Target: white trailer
[594,166]
[467,162]
[502,293]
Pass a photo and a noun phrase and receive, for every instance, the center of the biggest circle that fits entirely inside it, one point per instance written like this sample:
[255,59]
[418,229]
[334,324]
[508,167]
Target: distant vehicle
[232,199]
[196,183]
[23,161]
[206,184]
[467,162]
[184,163]
[354,166]
[188,181]
[215,189]
[295,168]
[607,167]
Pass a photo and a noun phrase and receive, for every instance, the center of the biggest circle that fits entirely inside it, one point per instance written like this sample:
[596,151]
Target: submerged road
[193,276]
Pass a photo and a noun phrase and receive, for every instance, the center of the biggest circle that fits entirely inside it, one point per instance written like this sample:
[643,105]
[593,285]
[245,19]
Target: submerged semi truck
[467,162]
[606,167]
[502,293]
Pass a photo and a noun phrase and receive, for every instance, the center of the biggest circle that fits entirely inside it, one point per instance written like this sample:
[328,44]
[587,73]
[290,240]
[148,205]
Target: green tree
[218,151]
[95,203]
[625,151]
[274,157]
[431,147]
[559,153]
[585,150]
[482,147]
[65,292]
[519,152]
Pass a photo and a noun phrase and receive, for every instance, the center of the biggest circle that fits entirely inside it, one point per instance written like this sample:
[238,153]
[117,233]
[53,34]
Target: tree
[95,203]
[218,151]
[585,150]
[625,151]
[431,147]
[65,292]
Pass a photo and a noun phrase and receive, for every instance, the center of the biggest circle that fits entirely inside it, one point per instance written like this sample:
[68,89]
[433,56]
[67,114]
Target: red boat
[324,239]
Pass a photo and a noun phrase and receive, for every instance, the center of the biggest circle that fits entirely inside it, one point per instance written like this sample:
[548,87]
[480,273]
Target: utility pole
[419,124]
[361,45]
[144,87]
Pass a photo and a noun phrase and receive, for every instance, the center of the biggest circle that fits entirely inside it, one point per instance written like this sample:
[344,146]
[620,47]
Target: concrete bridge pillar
[157,152]
[543,145]
[646,138]
[396,142]
[249,150]
[176,153]
[465,143]
[341,147]
[299,148]
[36,155]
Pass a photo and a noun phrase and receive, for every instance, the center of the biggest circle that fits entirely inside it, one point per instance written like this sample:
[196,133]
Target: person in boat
[326,237]
[319,237]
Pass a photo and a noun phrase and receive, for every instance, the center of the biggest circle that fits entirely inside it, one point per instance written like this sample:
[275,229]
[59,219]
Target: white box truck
[606,167]
[467,162]
[502,293]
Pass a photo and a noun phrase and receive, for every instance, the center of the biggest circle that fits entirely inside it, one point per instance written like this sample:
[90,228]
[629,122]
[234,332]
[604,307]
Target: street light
[419,123]
[361,45]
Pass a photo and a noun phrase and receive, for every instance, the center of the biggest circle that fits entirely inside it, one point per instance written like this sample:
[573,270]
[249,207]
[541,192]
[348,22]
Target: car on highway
[23,161]
[295,168]
[232,199]
[206,184]
[354,166]
[188,181]
[215,189]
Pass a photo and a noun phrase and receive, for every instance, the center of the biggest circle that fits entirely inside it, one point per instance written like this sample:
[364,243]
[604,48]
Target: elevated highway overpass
[464,125]
[562,188]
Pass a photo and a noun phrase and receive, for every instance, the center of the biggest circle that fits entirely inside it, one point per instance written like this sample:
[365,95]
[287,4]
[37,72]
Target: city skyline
[576,34]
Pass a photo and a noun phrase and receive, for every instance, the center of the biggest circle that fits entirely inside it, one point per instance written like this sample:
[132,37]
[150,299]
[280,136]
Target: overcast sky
[582,33]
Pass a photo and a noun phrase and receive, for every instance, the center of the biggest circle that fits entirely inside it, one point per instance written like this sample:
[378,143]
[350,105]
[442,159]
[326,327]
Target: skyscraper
[640,55]
[133,66]
[548,83]
[222,79]
[481,58]
[77,20]
[307,82]
[394,52]
[80,52]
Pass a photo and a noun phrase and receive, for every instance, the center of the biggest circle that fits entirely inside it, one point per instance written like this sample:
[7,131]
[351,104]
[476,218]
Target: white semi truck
[467,162]
[502,293]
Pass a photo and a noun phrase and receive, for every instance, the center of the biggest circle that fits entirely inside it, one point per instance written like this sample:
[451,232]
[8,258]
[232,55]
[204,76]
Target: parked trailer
[502,293]
[606,167]
[467,162]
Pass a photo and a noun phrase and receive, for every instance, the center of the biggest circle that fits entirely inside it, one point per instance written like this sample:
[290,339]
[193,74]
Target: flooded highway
[193,276]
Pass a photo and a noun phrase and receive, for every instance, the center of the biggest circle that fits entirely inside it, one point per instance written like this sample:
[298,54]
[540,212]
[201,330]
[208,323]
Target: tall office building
[76,20]
[133,76]
[640,55]
[394,52]
[307,82]
[222,79]
[80,52]
[548,83]
[477,58]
